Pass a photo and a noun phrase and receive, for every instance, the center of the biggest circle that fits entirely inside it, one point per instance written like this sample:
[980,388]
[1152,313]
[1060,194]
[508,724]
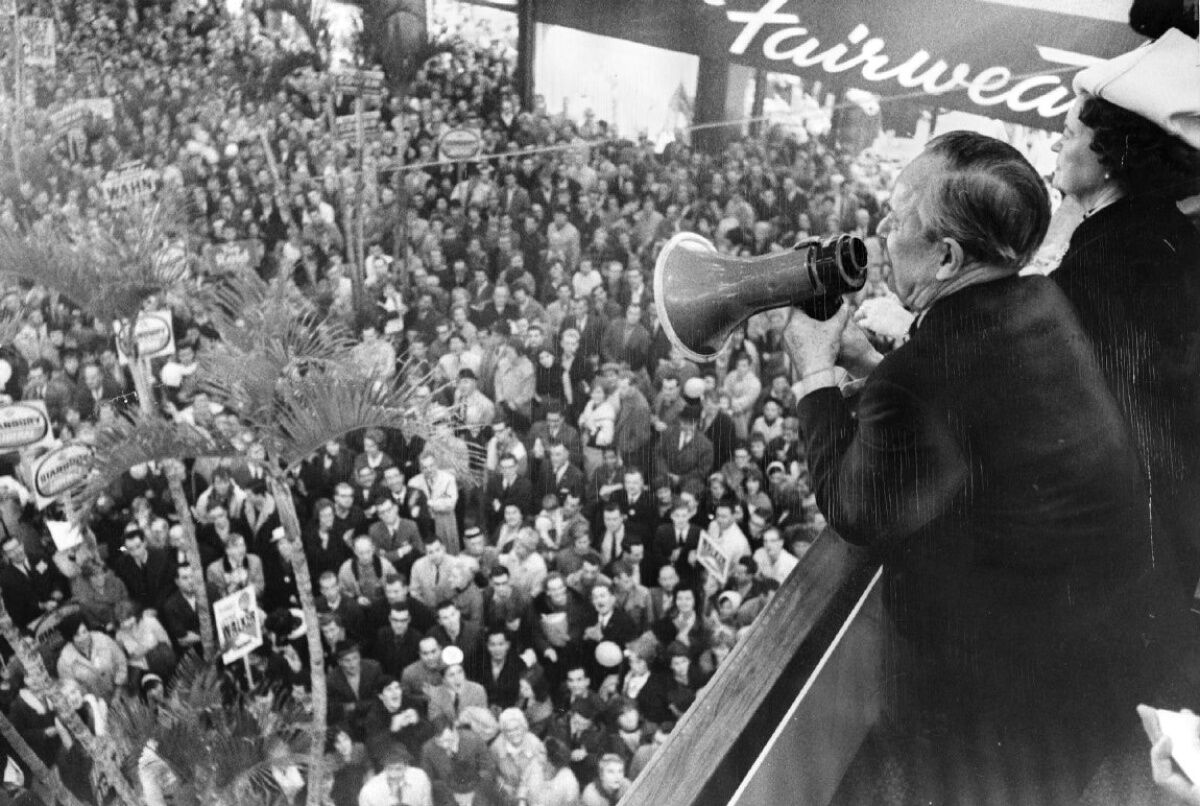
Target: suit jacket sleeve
[880,479]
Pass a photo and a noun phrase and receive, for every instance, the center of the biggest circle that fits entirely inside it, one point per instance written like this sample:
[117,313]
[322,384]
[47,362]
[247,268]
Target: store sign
[154,334]
[24,425]
[460,144]
[1008,59]
[57,471]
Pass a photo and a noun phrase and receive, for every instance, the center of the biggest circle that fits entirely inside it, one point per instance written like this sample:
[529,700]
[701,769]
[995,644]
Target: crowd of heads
[555,602]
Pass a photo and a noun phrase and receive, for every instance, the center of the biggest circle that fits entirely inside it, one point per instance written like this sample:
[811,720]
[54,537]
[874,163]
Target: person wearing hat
[398,782]
[684,453]
[473,408]
[456,692]
[1126,156]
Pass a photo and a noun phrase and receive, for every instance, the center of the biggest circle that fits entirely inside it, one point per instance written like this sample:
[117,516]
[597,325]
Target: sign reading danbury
[24,424]
[58,470]
[154,334]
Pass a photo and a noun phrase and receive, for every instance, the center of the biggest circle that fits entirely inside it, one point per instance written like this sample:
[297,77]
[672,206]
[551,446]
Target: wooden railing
[785,713]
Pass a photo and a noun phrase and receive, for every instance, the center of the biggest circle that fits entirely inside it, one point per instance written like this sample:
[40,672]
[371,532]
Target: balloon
[608,654]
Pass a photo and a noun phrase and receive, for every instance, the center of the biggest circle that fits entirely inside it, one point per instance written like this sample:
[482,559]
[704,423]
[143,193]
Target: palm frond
[310,19]
[10,326]
[320,407]
[108,274]
[134,439]
[220,744]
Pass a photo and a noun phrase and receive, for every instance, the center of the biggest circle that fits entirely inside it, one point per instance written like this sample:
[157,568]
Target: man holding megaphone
[988,467]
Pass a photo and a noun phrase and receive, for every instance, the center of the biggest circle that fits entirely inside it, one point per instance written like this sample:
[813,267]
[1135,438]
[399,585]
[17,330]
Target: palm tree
[43,686]
[118,273]
[39,770]
[292,378]
[219,744]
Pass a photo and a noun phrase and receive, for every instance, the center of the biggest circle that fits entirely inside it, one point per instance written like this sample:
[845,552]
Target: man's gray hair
[990,200]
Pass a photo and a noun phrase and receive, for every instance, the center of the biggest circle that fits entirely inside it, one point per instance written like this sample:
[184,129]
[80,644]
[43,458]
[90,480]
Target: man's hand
[594,633]
[857,355]
[1165,775]
[189,639]
[1162,768]
[550,655]
[813,345]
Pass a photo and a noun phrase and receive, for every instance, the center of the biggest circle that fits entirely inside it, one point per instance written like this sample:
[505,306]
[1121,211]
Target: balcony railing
[785,713]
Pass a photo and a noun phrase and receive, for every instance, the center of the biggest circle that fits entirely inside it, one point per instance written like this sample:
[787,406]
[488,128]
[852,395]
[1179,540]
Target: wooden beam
[717,741]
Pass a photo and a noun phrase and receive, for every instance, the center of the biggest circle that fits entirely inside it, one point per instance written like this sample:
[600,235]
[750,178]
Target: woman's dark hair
[537,682]
[558,754]
[1142,157]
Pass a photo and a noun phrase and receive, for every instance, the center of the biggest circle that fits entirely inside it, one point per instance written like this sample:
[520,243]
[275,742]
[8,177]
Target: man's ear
[953,259]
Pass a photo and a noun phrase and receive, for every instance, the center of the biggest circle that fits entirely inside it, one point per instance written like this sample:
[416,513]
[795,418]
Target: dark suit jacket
[470,641]
[520,493]
[626,343]
[179,619]
[990,469]
[592,335]
[567,435]
[154,582]
[573,480]
[502,689]
[664,546]
[22,593]
[641,517]
[1131,273]
[394,653]
[343,701]
[620,630]
[319,481]
[86,403]
[693,461]
[721,434]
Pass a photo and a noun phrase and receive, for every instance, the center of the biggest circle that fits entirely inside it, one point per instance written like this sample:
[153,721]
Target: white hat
[1153,81]
[452,656]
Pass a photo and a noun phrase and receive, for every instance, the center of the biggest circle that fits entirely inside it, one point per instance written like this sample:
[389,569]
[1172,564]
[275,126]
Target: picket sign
[154,333]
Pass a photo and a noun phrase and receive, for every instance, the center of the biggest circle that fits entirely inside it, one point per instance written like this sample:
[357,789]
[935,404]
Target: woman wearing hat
[1129,151]
[456,693]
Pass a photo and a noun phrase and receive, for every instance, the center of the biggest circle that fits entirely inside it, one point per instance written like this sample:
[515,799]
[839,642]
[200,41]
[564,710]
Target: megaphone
[703,296]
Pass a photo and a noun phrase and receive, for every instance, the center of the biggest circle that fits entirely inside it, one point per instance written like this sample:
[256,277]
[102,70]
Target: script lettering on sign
[783,39]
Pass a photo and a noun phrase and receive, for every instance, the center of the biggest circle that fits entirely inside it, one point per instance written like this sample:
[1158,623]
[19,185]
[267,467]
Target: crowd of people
[527,629]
